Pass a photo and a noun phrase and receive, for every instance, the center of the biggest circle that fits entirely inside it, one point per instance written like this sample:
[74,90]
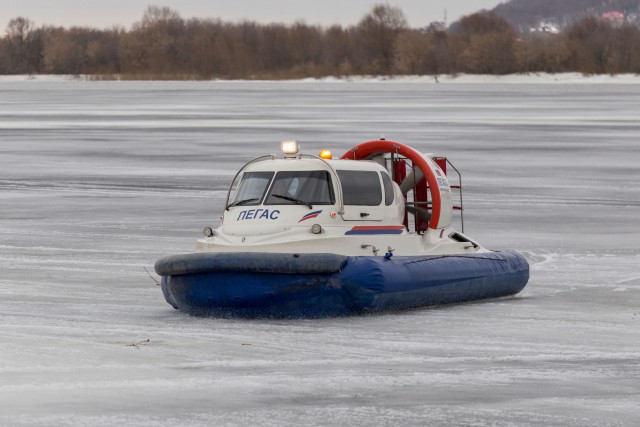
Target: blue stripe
[361,232]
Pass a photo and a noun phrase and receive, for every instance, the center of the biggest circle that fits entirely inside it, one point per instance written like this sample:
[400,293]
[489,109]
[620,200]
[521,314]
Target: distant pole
[445,17]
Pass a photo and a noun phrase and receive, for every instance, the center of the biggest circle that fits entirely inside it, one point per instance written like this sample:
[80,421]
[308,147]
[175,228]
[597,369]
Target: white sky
[107,13]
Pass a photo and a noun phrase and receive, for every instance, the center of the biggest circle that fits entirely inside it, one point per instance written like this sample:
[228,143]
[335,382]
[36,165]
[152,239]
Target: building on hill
[545,27]
[615,18]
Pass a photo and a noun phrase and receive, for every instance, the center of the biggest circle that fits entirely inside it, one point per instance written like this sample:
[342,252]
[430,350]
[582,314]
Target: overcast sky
[107,13]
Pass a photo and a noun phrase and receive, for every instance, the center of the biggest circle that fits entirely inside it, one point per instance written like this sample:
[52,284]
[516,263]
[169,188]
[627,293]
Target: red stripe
[377,227]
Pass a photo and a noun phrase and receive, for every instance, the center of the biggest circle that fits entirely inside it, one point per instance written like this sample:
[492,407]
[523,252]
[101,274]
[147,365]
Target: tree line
[163,45]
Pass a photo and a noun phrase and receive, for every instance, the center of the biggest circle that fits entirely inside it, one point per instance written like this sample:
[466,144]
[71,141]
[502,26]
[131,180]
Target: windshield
[296,187]
[252,188]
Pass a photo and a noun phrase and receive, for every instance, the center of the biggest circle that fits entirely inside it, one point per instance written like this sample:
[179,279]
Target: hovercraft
[308,236]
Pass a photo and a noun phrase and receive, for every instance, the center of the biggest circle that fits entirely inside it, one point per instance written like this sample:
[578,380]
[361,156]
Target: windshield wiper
[241,202]
[293,199]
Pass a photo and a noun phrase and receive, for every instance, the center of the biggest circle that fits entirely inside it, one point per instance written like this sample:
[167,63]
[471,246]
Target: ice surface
[99,179]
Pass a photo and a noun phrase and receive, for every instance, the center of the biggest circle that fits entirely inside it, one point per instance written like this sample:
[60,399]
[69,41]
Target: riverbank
[532,78]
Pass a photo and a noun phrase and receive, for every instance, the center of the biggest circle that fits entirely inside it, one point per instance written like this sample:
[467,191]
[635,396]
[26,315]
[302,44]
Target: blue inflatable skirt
[318,285]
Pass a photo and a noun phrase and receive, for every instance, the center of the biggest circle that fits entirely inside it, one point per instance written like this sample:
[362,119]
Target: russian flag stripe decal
[310,215]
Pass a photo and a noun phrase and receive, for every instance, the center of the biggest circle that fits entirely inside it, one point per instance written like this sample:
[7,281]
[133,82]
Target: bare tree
[489,45]
[64,51]
[307,49]
[154,44]
[411,50]
[23,46]
[376,36]
[590,39]
[339,51]
[482,23]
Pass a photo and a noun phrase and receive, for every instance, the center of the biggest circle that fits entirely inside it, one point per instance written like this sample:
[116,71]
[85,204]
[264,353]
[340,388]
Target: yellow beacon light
[326,154]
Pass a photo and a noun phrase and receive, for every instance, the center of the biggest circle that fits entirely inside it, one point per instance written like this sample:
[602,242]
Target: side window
[361,187]
[388,188]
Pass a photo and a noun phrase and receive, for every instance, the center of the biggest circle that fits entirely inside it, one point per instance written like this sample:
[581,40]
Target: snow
[524,78]
[99,179]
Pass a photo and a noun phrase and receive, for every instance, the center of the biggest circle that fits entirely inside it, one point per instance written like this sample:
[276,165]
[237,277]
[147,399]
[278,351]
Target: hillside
[526,14]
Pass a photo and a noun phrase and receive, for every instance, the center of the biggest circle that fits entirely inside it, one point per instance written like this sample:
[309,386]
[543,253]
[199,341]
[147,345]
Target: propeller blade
[412,178]
[419,211]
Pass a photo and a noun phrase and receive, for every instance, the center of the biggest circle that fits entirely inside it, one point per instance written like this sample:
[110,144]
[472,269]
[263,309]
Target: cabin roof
[313,164]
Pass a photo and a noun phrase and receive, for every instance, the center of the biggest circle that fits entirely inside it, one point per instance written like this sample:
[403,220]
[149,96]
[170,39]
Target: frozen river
[99,179]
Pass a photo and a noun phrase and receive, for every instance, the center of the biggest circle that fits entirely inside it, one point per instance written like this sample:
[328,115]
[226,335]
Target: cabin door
[363,197]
